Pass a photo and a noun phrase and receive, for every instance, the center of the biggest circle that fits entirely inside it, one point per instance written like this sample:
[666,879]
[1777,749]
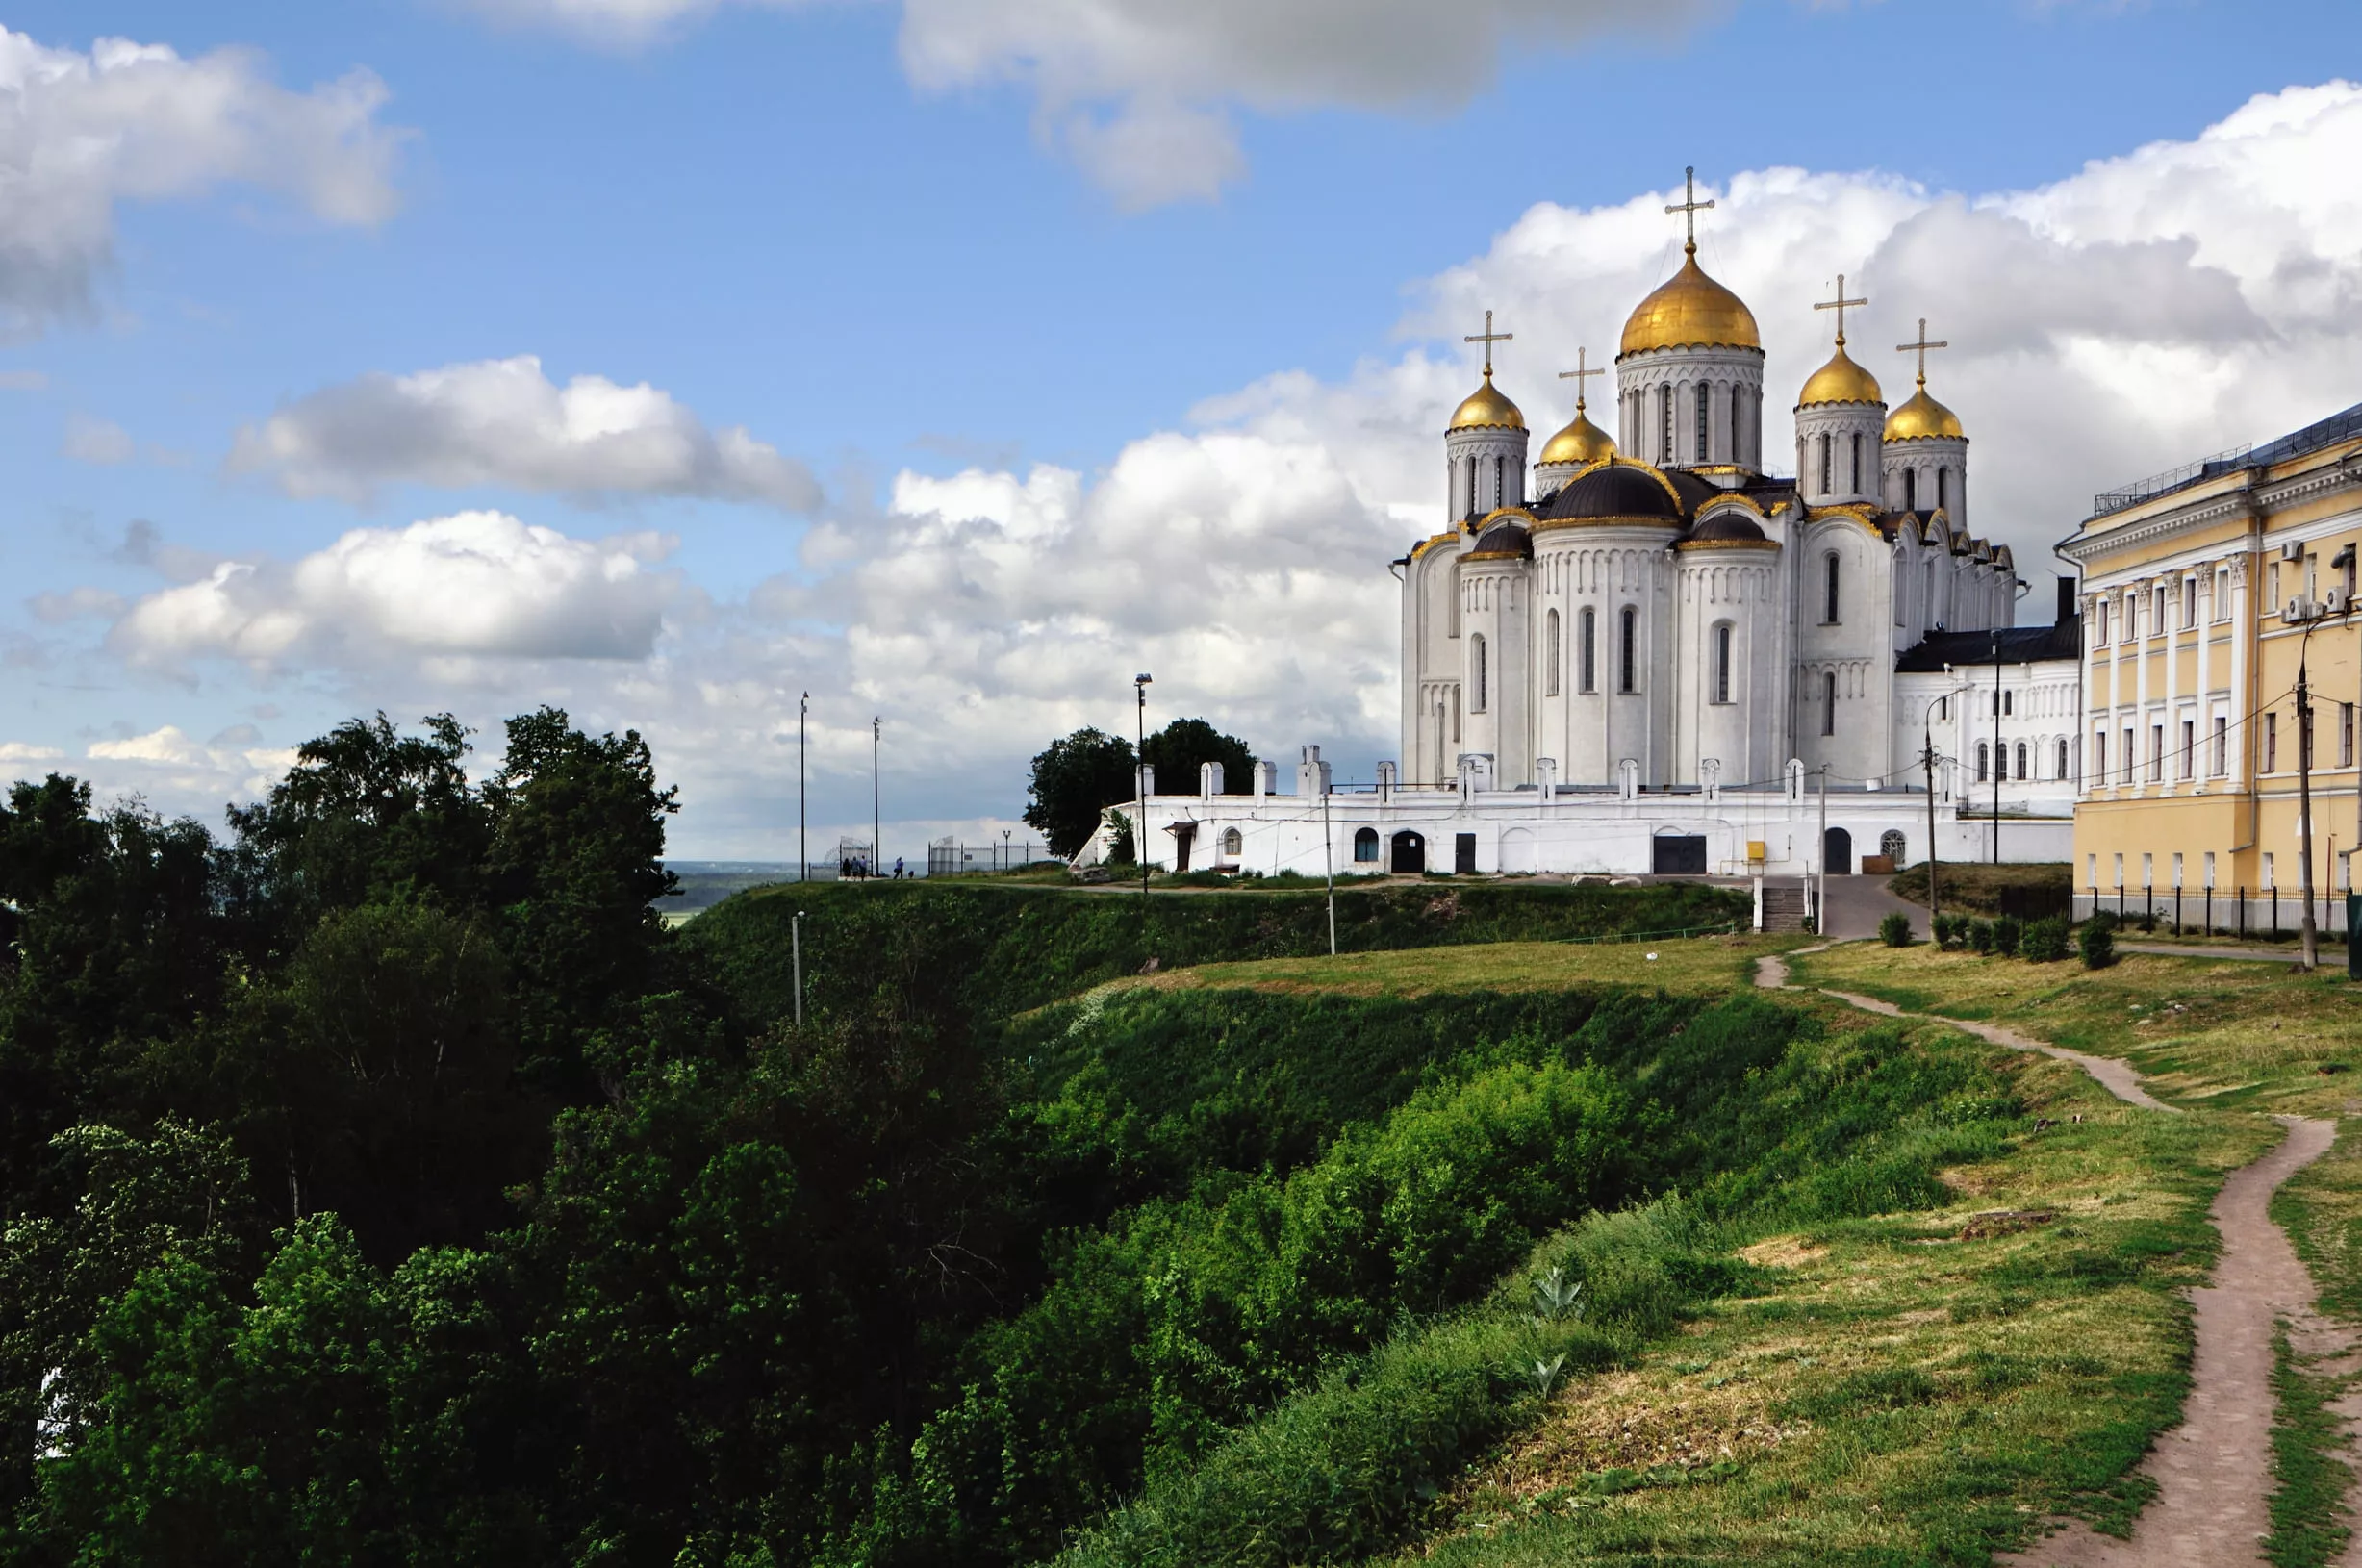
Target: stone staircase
[1784,906]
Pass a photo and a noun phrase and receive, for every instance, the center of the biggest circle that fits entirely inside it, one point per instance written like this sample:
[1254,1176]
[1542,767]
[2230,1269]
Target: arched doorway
[1893,845]
[1519,852]
[1836,851]
[1409,853]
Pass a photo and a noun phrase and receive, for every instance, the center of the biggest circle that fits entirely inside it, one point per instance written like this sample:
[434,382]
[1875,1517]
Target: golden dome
[1690,310]
[1581,442]
[1486,407]
[1924,416]
[1840,381]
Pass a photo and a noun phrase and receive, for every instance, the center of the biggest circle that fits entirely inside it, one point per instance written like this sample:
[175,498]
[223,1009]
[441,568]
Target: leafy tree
[1076,778]
[1176,751]
[575,865]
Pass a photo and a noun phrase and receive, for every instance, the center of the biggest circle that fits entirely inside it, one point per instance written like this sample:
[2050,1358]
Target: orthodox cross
[1921,347]
[1489,337]
[1691,207]
[1839,305]
[1579,373]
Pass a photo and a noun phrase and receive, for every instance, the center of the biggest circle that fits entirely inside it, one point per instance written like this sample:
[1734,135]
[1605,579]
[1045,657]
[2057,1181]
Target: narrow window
[2130,761]
[2345,735]
[1233,840]
[1722,664]
[1476,654]
[1739,423]
[1911,490]
[2222,745]
[1628,675]
[2268,882]
[1590,640]
[1943,489]
[2009,704]
[1365,844]
[2189,748]
[1664,415]
[1855,488]
[2022,761]
[1984,760]
[1828,612]
[1550,655]
[1943,709]
[2099,755]
[1824,463]
[2189,601]
[2061,772]
[1456,716]
[1704,420]
[2100,624]
[1828,703]
[2274,581]
[2272,743]
[2223,593]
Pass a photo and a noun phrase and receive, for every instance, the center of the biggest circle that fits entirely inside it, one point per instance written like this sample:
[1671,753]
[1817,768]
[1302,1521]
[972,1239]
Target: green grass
[2307,1531]
[1975,887]
[1680,964]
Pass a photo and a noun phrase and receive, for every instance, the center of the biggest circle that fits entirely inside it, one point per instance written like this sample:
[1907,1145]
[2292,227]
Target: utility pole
[1140,784]
[1820,917]
[795,940]
[877,845]
[1927,756]
[1328,861]
[803,855]
[2308,949]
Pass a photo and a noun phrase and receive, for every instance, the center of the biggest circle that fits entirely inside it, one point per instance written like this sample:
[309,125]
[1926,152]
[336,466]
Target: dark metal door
[1678,854]
[1463,852]
[1409,853]
[1836,851]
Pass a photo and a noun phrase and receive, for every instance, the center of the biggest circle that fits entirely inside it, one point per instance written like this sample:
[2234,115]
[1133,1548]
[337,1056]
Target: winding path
[2214,1471]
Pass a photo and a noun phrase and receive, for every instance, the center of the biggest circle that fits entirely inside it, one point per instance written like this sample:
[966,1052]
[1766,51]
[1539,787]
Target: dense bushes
[1894,930]
[2042,941]
[2097,942]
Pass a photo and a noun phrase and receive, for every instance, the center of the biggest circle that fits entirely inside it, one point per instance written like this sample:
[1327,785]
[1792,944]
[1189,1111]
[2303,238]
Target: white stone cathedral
[1629,653]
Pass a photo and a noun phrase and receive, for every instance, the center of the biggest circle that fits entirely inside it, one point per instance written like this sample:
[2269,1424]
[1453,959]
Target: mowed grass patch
[2219,1032]
[1685,964]
[2321,1208]
[1919,1387]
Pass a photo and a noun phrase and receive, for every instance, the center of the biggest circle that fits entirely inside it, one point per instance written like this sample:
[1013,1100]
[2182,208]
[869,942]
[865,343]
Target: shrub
[2098,944]
[1949,930]
[2007,933]
[2044,941]
[1894,930]
[1980,935]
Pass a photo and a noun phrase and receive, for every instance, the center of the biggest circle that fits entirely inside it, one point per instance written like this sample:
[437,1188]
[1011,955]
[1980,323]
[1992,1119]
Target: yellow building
[2202,591]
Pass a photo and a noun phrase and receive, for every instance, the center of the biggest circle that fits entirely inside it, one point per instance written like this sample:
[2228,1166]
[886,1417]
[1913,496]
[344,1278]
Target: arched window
[1825,463]
[1984,760]
[1739,423]
[1500,481]
[1704,421]
[1665,419]
[1233,841]
[1829,596]
[2061,772]
[1628,656]
[1476,668]
[1893,844]
[1723,663]
[1856,488]
[1366,845]
[1943,488]
[1828,703]
[1550,654]
[2022,761]
[1591,651]
[1911,490]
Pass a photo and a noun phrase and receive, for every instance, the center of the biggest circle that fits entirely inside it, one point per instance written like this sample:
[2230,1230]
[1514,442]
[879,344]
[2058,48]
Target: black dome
[1505,538]
[1614,489]
[1726,528]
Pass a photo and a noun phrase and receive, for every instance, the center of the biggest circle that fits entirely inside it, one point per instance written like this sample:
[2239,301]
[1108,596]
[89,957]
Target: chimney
[2067,611]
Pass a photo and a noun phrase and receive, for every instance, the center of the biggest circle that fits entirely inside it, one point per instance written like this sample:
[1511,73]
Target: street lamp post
[1927,758]
[1139,782]
[803,855]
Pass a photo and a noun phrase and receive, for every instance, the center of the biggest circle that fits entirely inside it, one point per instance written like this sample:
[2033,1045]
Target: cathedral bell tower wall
[1928,473]
[1839,460]
[1487,468]
[1695,407]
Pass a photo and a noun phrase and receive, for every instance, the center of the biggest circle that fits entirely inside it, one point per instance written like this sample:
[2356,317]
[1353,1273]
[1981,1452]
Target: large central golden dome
[1690,310]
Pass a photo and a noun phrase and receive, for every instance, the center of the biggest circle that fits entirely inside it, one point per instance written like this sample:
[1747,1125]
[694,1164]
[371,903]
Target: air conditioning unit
[2293,552]
[2300,610]
[2336,603]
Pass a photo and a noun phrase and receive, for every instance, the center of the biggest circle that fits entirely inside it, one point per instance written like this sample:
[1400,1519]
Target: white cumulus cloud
[179,771]
[475,585]
[98,442]
[504,422]
[82,131]
[1142,93]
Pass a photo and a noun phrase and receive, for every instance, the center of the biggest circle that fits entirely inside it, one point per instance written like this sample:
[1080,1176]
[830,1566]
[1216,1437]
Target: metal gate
[1678,854]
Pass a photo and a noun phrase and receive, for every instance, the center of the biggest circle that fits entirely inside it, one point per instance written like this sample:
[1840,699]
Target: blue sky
[1004,358]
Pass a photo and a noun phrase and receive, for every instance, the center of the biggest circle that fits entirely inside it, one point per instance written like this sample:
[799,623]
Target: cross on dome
[1489,337]
[1839,305]
[1579,373]
[1691,207]
[1921,346]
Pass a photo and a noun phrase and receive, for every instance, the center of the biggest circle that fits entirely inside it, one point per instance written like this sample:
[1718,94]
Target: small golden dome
[1921,417]
[1840,381]
[1581,442]
[1690,310]
[1486,408]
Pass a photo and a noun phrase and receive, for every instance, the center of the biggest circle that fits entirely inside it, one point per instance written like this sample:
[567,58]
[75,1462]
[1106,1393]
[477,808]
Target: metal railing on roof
[2158,484]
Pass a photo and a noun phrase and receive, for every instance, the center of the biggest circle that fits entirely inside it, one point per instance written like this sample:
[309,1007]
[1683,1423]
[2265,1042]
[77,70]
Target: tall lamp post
[1140,781]
[803,855]
[1927,759]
